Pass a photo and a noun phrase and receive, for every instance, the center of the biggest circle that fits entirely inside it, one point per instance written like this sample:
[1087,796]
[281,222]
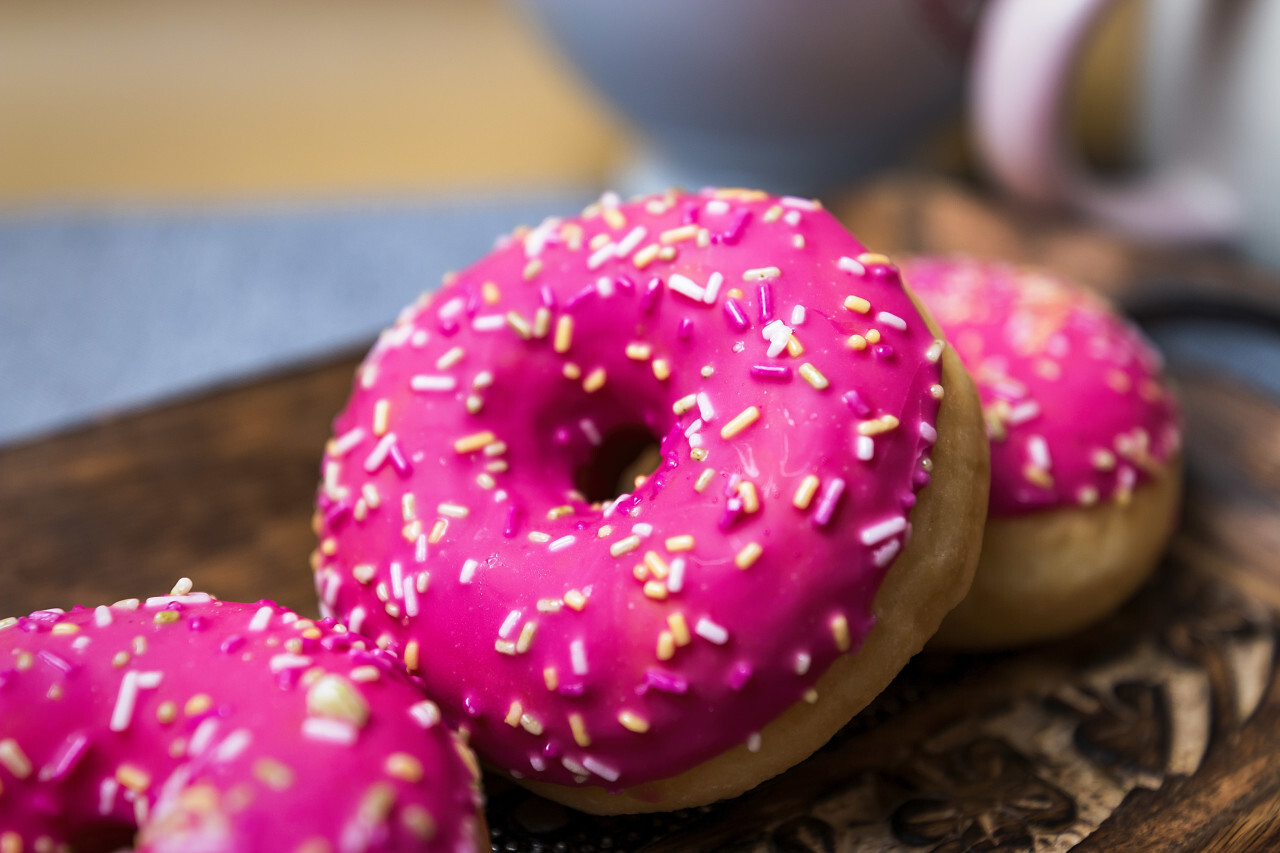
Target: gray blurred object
[101,311]
[792,96]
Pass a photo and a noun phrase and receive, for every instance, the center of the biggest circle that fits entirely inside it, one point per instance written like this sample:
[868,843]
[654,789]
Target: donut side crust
[927,580]
[1048,574]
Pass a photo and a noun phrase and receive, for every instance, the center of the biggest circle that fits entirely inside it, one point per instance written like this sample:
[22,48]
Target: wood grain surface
[1159,730]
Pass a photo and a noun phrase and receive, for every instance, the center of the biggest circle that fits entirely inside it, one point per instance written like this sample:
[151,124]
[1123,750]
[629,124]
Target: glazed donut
[1085,465]
[712,626]
[206,726]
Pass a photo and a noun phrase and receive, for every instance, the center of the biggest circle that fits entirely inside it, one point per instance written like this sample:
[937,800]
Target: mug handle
[1024,55]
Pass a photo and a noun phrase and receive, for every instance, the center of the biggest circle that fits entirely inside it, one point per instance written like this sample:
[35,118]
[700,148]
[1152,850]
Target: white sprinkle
[686,287]
[102,616]
[452,308]
[450,357]
[329,595]
[628,244]
[591,431]
[693,427]
[126,700]
[397,580]
[803,662]
[717,207]
[753,742]
[892,320]
[379,453]
[713,288]
[705,408]
[262,618]
[284,661]
[149,680]
[107,795]
[865,447]
[489,323]
[536,762]
[877,533]
[604,286]
[642,529]
[509,624]
[345,443]
[675,577]
[884,555]
[189,598]
[578,657]
[1038,451]
[798,203]
[708,630]
[426,713]
[604,771]
[234,744]
[574,767]
[797,315]
[1022,413]
[202,736]
[562,543]
[356,620]
[851,265]
[928,433]
[695,440]
[483,380]
[599,256]
[411,599]
[329,730]
[425,382]
[468,571]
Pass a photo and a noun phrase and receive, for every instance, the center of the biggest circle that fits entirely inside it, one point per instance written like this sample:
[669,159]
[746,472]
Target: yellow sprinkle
[532,268]
[704,479]
[531,724]
[525,640]
[118,660]
[741,421]
[497,466]
[415,818]
[408,506]
[490,292]
[698,454]
[598,241]
[614,217]
[666,646]
[750,497]
[513,714]
[571,233]
[840,630]
[676,235]
[437,531]
[166,713]
[811,696]
[539,537]
[936,392]
[575,600]
[63,629]
[333,696]
[505,647]
[805,491]
[13,759]
[564,334]
[273,774]
[704,238]
[684,404]
[668,253]
[606,530]
[559,512]
[541,321]
[657,565]
[869,258]
[485,481]
[475,441]
[579,729]
[197,705]
[856,343]
[873,336]
[1038,476]
[857,303]
[661,370]
[748,555]
[813,376]
[403,766]
[798,241]
[450,358]
[884,423]
[645,256]
[519,325]
[551,678]
[675,544]
[167,617]
[381,416]
[571,370]
[794,348]
[773,214]
[633,722]
[453,510]
[624,546]
[412,531]
[640,571]
[655,589]
[134,778]
[679,629]
[595,381]
[639,351]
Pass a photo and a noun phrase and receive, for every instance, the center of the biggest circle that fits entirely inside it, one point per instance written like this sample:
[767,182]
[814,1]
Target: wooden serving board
[1158,730]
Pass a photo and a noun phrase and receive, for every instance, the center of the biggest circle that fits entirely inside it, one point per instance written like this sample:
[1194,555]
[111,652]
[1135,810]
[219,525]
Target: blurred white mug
[1209,116]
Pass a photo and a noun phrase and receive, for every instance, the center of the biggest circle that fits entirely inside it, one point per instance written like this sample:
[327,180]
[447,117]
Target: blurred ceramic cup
[1208,118]
[788,95]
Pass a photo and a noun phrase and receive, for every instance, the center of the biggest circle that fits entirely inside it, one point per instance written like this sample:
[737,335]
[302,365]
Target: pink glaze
[1076,409]
[591,645]
[219,727]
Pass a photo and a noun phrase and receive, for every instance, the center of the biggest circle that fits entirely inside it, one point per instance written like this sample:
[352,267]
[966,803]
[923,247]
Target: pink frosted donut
[1085,462]
[207,726]
[688,639]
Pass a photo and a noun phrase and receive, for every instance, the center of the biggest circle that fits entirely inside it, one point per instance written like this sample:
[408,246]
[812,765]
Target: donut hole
[103,837]
[623,455]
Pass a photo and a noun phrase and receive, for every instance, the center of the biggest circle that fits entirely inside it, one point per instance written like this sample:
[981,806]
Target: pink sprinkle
[734,233]
[513,518]
[827,503]
[73,749]
[578,297]
[856,404]
[732,510]
[733,311]
[739,675]
[448,327]
[399,462]
[664,681]
[625,283]
[766,302]
[883,351]
[53,660]
[652,292]
[774,372]
[548,296]
[689,216]
[337,515]
[686,329]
